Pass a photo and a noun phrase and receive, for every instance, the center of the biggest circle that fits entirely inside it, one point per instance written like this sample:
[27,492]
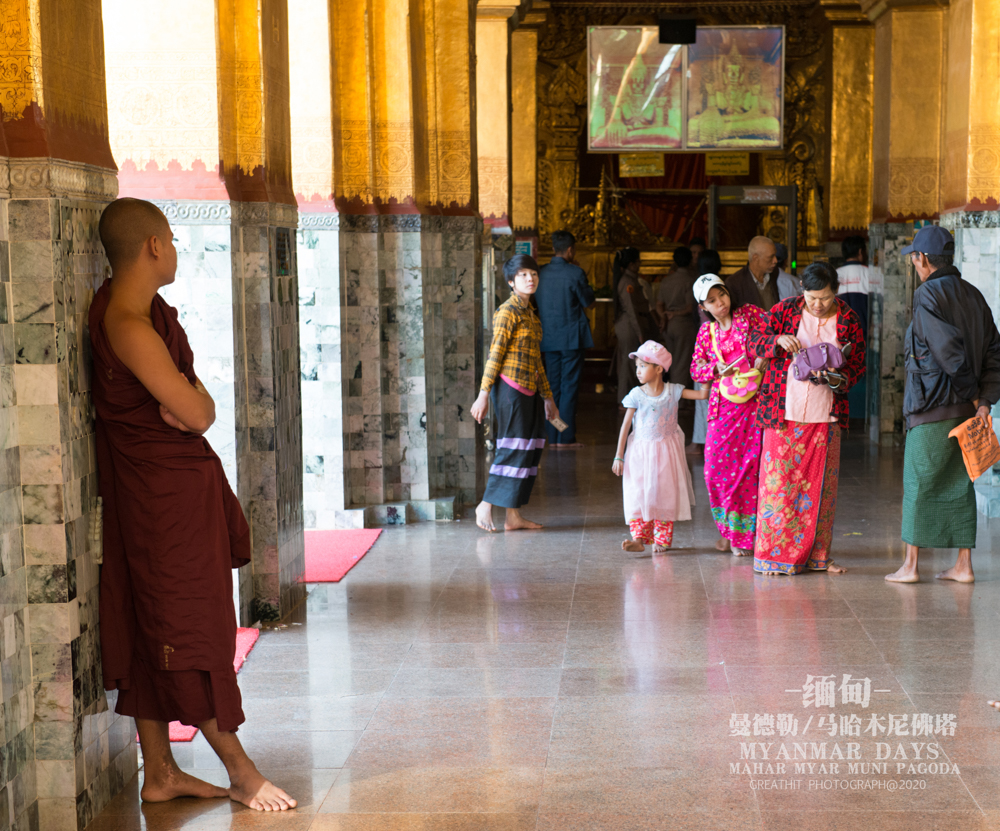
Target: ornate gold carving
[913,186]
[21,70]
[984,163]
[494,187]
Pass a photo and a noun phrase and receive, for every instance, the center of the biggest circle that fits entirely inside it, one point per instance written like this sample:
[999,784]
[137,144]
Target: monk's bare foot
[516,522]
[958,574]
[633,545]
[905,574]
[833,568]
[741,552]
[172,783]
[484,517]
[722,544]
[994,704]
[258,793]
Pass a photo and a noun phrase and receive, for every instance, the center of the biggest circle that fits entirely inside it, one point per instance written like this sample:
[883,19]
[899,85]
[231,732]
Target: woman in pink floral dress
[732,446]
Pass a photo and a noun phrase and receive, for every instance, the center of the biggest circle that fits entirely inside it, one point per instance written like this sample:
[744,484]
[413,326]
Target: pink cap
[654,353]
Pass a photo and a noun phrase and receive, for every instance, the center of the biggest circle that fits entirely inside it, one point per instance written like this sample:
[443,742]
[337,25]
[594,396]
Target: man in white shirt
[853,277]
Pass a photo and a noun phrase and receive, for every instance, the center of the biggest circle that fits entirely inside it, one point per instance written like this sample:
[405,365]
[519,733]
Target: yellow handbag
[743,384]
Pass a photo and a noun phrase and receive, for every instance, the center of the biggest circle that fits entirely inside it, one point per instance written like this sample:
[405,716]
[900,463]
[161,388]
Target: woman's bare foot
[484,517]
[722,544]
[171,783]
[516,522]
[659,549]
[904,574]
[258,793]
[994,704]
[833,568]
[959,575]
[633,545]
[741,552]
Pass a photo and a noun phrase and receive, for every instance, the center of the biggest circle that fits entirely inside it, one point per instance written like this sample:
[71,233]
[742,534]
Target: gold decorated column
[908,85]
[850,66]
[524,125]
[972,107]
[495,20]
[404,183]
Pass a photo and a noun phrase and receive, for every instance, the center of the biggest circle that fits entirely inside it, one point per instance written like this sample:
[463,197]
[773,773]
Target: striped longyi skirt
[520,441]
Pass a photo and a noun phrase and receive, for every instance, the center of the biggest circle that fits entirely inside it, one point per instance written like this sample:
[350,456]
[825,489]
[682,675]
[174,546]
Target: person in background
[952,374]
[732,449]
[563,296]
[853,277]
[788,285]
[707,262]
[634,324]
[522,400]
[675,310]
[697,245]
[753,283]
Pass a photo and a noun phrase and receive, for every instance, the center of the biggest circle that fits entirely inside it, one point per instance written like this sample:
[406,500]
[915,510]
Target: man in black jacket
[952,374]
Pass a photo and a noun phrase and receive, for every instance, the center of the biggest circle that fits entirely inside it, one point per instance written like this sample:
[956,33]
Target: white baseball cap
[704,284]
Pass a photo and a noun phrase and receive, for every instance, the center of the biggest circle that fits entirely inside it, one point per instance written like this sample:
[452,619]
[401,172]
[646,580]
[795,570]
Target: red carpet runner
[331,554]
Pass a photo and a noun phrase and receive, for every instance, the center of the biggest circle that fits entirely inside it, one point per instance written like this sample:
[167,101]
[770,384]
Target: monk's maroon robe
[173,532]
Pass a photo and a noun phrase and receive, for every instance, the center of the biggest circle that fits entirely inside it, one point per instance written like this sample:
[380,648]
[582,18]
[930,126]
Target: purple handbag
[822,356]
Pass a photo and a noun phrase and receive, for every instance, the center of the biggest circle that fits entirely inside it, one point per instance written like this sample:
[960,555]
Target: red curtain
[667,215]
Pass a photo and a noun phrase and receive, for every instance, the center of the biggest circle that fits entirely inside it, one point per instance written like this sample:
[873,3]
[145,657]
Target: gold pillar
[972,107]
[444,64]
[850,65]
[52,88]
[493,110]
[255,134]
[309,105]
[164,133]
[906,134]
[524,129]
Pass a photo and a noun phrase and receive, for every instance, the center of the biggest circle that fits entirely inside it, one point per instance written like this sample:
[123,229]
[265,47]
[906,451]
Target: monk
[173,530]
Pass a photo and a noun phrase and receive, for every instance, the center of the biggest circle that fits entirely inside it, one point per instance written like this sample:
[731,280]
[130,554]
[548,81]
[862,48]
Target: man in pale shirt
[853,277]
[788,284]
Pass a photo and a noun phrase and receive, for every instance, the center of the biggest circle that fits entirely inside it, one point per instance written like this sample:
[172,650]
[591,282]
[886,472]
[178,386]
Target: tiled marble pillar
[411,298]
[891,303]
[268,400]
[318,254]
[64,744]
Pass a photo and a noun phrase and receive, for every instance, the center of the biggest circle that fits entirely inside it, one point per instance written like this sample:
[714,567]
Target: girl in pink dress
[656,480]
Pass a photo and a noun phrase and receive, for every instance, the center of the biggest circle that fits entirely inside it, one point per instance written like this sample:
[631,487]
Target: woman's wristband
[618,459]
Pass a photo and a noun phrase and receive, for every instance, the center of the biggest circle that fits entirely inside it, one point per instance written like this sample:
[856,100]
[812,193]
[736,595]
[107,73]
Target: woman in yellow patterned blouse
[522,400]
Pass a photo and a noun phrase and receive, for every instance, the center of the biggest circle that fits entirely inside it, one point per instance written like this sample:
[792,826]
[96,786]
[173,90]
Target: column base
[445,508]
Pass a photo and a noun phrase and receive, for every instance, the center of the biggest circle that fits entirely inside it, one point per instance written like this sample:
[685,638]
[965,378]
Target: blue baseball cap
[931,239]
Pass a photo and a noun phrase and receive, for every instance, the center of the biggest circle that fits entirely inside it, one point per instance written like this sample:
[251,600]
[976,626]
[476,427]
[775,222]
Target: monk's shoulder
[129,333]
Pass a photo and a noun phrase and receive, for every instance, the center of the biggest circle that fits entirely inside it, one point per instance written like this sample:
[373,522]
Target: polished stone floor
[548,680]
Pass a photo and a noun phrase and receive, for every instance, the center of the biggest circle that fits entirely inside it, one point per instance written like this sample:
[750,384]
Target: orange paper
[980,448]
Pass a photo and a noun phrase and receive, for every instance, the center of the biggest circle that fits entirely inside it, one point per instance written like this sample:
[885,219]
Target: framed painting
[735,92]
[634,90]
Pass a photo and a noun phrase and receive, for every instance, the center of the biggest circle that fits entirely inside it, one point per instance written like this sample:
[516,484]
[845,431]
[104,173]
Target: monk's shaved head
[761,246]
[125,226]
